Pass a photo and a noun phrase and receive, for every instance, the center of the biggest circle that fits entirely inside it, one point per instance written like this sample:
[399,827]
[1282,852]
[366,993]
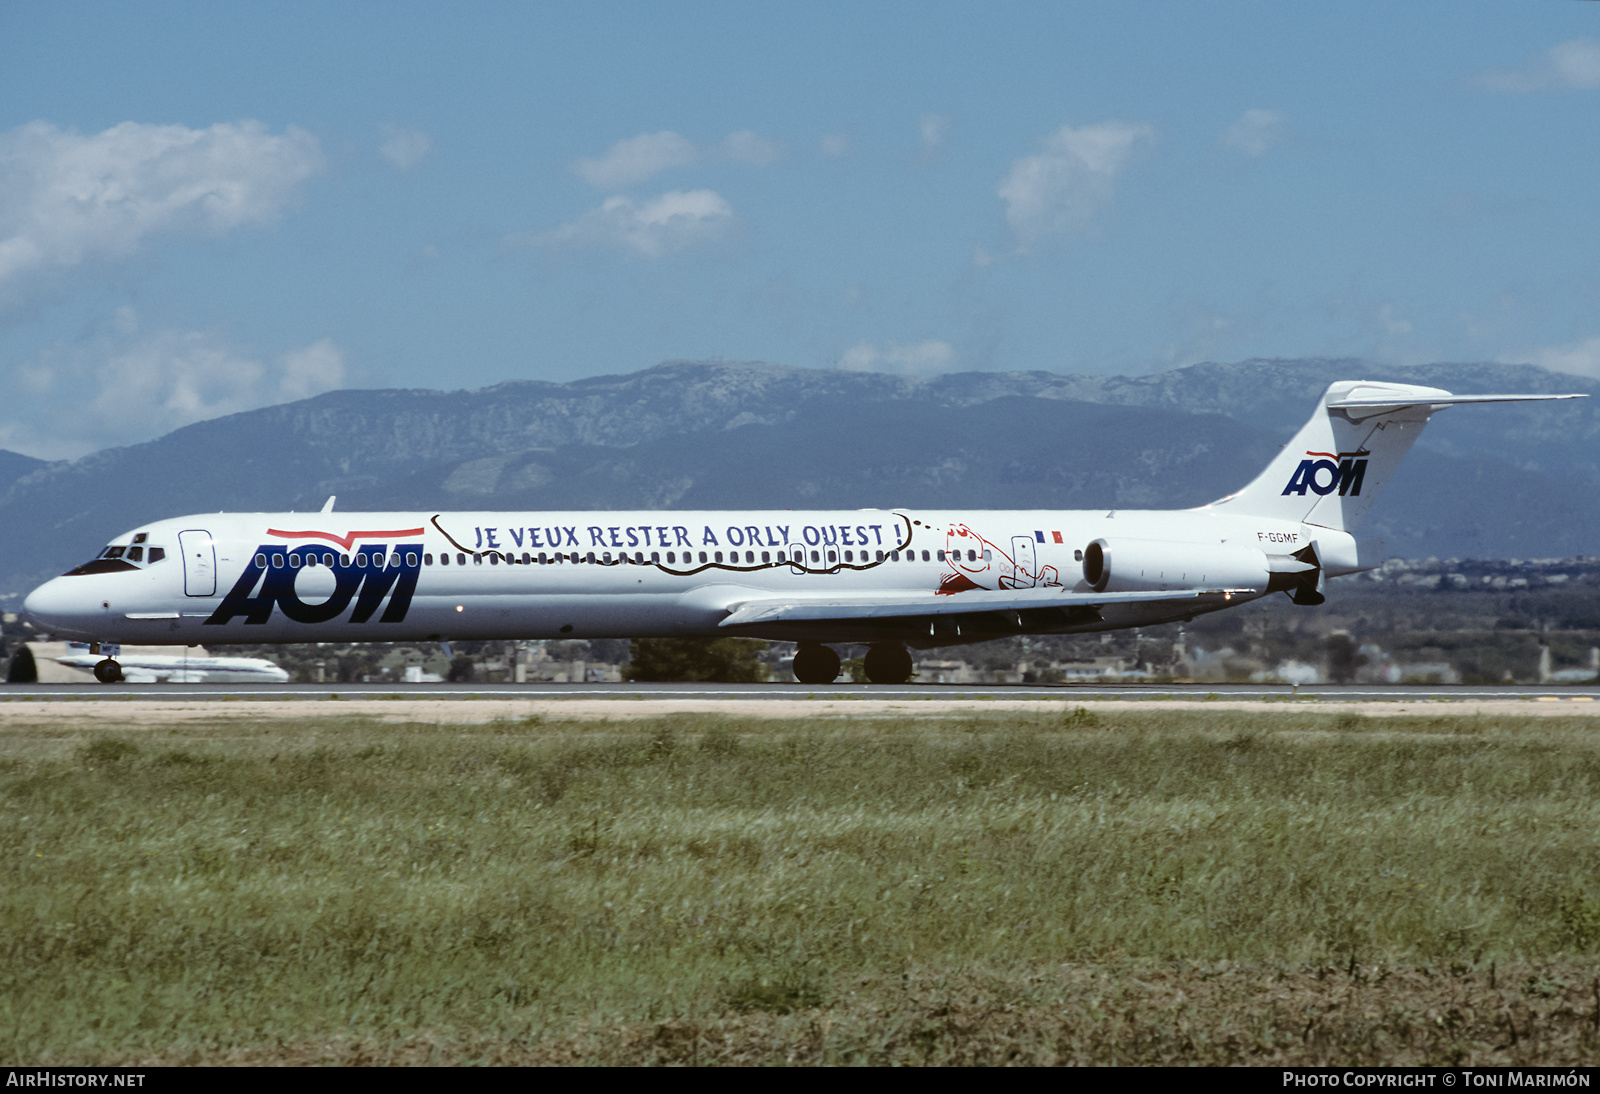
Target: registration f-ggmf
[889,579]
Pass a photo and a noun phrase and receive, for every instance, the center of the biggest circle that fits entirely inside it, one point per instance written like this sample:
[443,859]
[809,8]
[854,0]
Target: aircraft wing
[890,608]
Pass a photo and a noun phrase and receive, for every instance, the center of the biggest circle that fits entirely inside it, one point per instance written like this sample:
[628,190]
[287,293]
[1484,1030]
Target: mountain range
[1484,482]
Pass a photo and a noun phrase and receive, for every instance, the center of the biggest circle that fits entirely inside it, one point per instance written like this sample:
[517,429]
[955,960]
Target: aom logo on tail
[1344,470]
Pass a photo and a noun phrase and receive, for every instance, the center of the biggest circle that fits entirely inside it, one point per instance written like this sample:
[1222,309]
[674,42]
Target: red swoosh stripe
[344,541]
[1340,456]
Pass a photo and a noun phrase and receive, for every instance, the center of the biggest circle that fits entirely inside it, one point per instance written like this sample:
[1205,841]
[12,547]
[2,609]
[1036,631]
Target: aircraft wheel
[108,671]
[815,664]
[888,664]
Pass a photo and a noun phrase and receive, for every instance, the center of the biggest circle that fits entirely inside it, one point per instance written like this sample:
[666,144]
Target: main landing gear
[815,664]
[108,672]
[886,663]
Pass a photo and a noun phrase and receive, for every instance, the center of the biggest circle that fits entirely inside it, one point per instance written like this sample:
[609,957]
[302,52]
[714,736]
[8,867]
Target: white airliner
[147,668]
[885,578]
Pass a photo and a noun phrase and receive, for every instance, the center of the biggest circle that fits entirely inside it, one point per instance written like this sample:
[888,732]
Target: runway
[792,692]
[150,705]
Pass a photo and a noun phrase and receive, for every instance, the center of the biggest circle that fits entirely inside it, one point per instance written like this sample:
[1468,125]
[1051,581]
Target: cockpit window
[157,554]
[114,552]
[135,554]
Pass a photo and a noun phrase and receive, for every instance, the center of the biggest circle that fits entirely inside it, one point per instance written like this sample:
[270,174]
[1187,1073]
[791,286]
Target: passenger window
[494,558]
[461,559]
[589,558]
[719,556]
[411,558]
[833,556]
[427,559]
[444,559]
[294,561]
[157,554]
[925,557]
[261,560]
[136,554]
[766,556]
[277,562]
[941,556]
[477,559]
[655,556]
[815,557]
[781,556]
[703,556]
[361,560]
[987,554]
[527,559]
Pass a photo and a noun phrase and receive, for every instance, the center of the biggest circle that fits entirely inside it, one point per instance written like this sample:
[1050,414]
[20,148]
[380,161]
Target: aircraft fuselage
[319,577]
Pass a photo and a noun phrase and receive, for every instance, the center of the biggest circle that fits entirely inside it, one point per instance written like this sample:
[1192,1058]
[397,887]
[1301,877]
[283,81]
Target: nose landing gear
[890,664]
[108,672]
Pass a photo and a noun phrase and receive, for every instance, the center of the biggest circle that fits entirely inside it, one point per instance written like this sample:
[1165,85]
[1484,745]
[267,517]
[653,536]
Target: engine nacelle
[1138,565]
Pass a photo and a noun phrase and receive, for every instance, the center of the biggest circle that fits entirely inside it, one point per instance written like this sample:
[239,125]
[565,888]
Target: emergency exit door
[1024,573]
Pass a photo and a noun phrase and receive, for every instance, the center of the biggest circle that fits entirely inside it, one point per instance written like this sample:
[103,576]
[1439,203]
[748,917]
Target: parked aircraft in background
[890,579]
[147,668]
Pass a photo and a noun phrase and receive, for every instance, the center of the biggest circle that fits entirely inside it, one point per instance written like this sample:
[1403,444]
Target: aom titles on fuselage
[890,579]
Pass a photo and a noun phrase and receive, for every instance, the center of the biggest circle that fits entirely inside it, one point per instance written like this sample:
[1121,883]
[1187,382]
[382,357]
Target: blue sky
[205,208]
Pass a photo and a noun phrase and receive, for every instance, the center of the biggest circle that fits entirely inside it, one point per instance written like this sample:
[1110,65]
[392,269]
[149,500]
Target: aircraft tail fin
[1332,471]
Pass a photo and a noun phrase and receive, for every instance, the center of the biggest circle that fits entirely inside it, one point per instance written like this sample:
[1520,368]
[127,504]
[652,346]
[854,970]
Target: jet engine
[1137,565]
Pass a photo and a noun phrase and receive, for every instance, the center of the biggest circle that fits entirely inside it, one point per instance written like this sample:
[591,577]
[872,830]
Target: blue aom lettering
[395,578]
[1321,477]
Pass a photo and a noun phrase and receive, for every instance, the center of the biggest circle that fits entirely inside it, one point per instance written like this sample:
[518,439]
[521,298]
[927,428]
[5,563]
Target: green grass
[871,890]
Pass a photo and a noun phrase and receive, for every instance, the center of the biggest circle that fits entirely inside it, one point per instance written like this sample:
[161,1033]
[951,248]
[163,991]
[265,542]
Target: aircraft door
[1025,573]
[199,562]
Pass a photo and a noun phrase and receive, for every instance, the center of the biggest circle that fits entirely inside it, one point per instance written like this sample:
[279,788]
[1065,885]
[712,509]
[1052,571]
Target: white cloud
[1572,65]
[1394,326]
[914,357]
[673,221]
[67,199]
[1580,358]
[933,128]
[747,147]
[404,148]
[834,145]
[122,387]
[311,370]
[1058,191]
[638,158]
[1254,132]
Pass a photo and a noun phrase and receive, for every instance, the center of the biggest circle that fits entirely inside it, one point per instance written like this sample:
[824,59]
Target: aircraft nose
[54,606]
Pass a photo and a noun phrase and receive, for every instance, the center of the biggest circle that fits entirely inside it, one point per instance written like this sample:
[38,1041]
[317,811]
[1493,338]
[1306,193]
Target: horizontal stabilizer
[1382,405]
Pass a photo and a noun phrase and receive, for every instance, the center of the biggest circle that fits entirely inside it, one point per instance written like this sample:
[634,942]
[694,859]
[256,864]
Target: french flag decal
[1040,537]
